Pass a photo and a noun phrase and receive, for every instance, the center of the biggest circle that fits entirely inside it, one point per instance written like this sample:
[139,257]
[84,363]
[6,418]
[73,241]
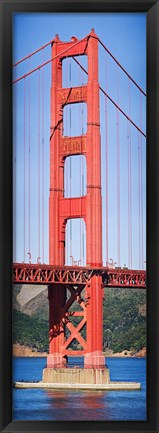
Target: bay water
[82,405]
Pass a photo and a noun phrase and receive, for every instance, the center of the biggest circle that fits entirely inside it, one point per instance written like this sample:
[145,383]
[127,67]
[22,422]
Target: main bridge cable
[32,54]
[102,90]
[50,60]
[121,67]
[113,102]
[66,50]
[108,51]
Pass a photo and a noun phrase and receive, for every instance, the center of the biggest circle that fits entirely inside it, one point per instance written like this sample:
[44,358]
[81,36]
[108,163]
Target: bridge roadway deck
[26,273]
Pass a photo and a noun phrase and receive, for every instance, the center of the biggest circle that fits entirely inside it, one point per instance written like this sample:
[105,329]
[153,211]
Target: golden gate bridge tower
[88,207]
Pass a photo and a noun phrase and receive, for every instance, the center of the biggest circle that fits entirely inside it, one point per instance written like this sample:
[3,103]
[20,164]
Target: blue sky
[125,36]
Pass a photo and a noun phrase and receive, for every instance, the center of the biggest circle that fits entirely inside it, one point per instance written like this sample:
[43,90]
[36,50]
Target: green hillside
[124,323]
[124,319]
[30,331]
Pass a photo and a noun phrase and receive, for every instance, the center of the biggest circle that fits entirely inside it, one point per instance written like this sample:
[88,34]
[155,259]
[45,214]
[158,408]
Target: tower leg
[94,294]
[57,298]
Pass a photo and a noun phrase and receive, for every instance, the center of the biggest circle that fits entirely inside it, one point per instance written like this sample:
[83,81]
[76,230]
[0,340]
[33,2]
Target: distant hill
[124,318]
[31,300]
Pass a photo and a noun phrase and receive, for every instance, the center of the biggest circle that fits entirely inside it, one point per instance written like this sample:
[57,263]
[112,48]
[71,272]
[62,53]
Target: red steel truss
[70,285]
[76,276]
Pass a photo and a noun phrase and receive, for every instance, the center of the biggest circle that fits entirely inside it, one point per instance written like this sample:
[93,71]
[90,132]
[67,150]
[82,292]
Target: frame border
[7,8]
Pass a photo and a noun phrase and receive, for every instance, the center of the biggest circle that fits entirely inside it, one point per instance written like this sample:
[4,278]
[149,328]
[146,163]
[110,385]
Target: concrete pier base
[76,375]
[78,379]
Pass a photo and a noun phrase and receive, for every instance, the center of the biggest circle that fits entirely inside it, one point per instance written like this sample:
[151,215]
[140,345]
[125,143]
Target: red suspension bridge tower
[88,207]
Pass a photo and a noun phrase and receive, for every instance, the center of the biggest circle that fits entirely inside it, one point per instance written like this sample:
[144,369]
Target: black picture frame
[151,7]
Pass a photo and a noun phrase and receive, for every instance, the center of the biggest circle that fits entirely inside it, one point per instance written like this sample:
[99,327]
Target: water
[50,405]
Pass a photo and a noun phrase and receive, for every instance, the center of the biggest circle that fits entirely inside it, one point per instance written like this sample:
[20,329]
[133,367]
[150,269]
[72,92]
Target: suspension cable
[24,171]
[118,173]
[80,129]
[39,171]
[70,113]
[102,90]
[43,161]
[66,171]
[129,184]
[121,67]
[29,132]
[14,171]
[113,102]
[142,247]
[139,197]
[82,184]
[106,174]
[86,37]
[32,54]
[50,60]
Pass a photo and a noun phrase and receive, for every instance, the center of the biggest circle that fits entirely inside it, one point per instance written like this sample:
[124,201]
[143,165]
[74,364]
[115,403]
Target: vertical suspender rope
[80,124]
[70,169]
[106,174]
[29,132]
[142,247]
[139,197]
[24,171]
[15,174]
[39,164]
[82,187]
[43,156]
[129,186]
[118,174]
[128,143]
[66,165]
